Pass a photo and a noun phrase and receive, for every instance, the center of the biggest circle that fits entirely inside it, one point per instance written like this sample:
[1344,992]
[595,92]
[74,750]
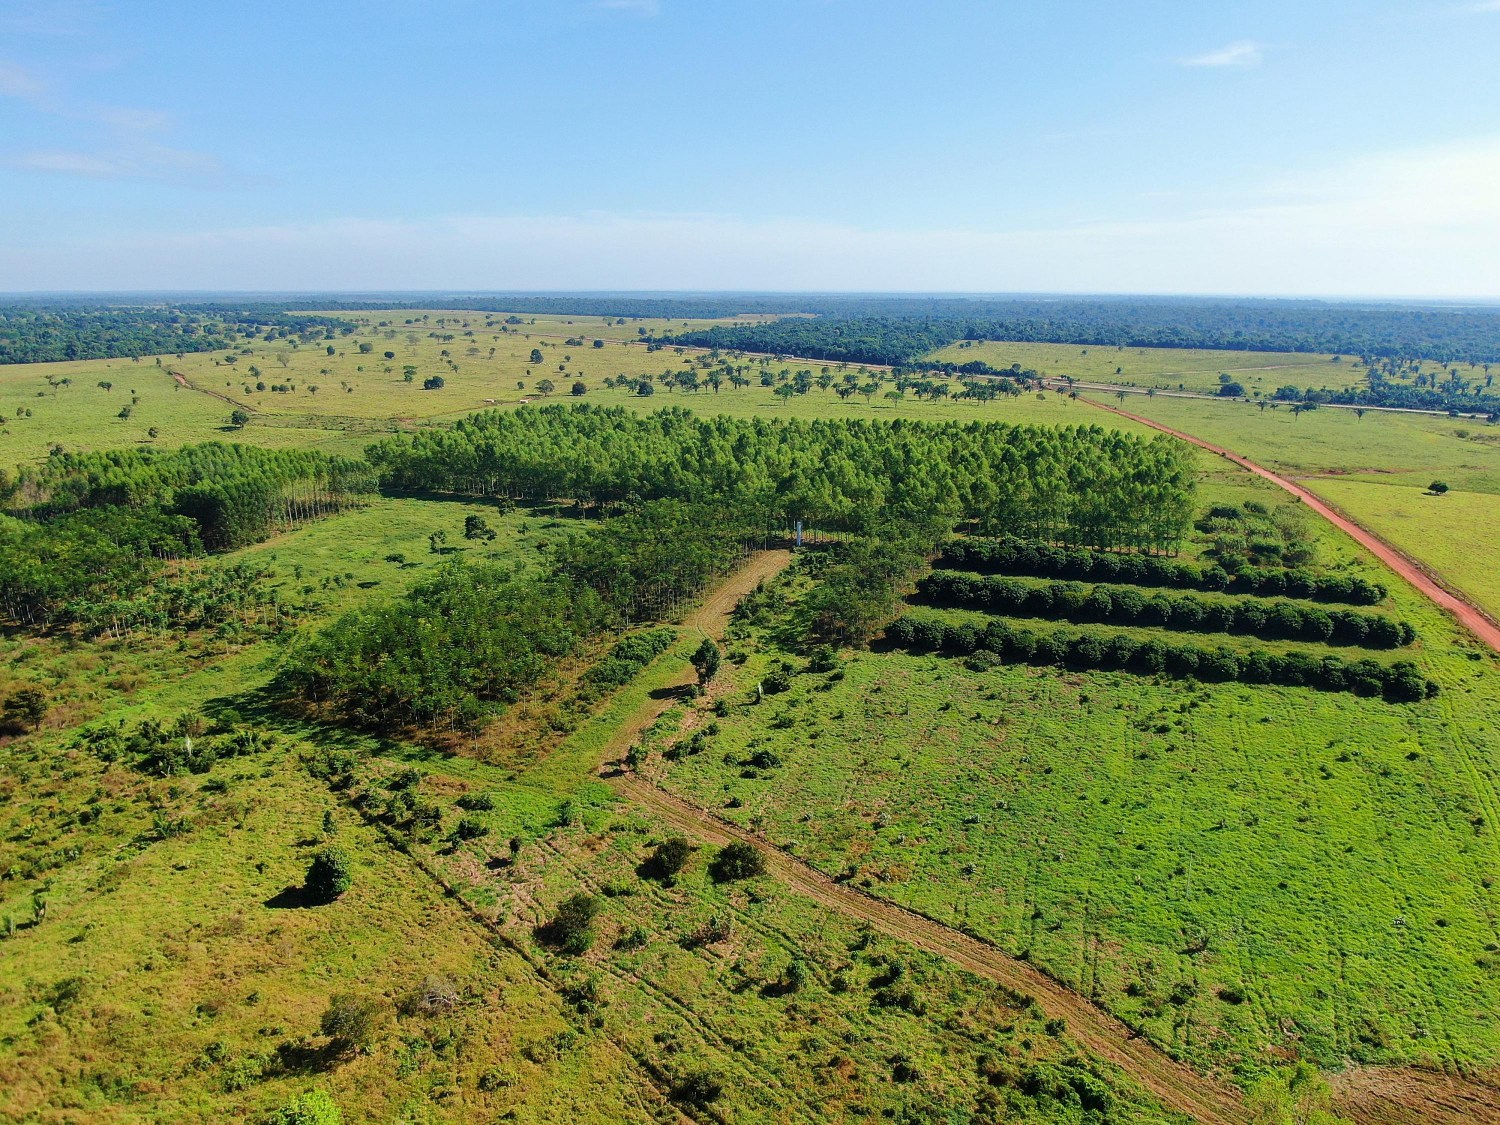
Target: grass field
[1244,872]
[1186,369]
[175,978]
[1377,469]
[1247,874]
[359,397]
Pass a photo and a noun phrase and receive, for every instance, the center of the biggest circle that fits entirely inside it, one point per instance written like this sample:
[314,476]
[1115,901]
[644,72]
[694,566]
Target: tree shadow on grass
[291,898]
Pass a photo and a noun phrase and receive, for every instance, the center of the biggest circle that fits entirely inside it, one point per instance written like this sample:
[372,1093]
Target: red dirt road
[1471,617]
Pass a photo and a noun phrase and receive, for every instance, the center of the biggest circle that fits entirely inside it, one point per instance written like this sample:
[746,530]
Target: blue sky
[1330,148]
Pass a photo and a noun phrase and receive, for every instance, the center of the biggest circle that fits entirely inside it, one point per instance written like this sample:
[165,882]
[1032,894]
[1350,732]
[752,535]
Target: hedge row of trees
[1026,557]
[1124,605]
[465,643]
[999,641]
[1082,484]
[99,527]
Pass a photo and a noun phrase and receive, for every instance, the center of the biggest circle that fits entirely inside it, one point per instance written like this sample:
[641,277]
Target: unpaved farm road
[1176,1086]
[1470,616]
[1369,1096]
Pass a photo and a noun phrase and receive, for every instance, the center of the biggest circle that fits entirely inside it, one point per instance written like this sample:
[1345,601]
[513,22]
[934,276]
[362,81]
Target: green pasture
[1244,872]
[1186,369]
[1377,469]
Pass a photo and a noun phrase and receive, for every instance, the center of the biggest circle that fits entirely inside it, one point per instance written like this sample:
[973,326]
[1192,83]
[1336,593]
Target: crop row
[1042,560]
[1001,642]
[1123,605]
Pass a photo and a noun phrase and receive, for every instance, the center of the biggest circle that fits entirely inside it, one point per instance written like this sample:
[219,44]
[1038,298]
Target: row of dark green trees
[1081,485]
[999,641]
[1028,557]
[1276,619]
[92,527]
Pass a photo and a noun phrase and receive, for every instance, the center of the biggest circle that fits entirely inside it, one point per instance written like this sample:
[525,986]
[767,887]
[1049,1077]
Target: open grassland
[1453,535]
[1376,469]
[1184,369]
[1247,873]
[169,971]
[360,396]
[178,975]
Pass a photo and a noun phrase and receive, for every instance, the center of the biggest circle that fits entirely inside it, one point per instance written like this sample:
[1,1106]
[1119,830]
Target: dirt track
[1471,617]
[1175,1085]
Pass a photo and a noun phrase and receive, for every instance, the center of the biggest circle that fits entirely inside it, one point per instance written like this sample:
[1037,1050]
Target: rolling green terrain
[1184,369]
[1239,870]
[1248,875]
[1377,468]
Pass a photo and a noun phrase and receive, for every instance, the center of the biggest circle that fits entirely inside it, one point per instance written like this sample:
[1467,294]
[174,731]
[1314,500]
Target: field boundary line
[1417,574]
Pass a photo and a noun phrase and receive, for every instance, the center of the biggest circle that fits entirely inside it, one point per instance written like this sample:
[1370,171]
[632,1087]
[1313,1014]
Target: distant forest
[895,331]
[1447,334]
[47,333]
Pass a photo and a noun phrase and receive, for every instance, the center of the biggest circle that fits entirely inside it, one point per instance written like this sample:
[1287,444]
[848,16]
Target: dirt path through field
[1470,616]
[711,618]
[1176,1086]
[1173,1084]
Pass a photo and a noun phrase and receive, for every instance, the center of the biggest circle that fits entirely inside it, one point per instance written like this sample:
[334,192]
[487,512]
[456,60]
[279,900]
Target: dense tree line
[646,563]
[1446,396]
[1082,484]
[999,641]
[32,332]
[859,335]
[1125,605]
[236,494]
[93,530]
[1023,558]
[1338,328]
[455,648]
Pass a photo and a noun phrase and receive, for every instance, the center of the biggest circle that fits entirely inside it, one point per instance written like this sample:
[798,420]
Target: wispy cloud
[1410,223]
[636,7]
[1242,54]
[141,160]
[130,146]
[18,83]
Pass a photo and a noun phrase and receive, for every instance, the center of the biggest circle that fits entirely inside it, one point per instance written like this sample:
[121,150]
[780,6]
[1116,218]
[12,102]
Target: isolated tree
[239,419]
[579,389]
[706,660]
[669,858]
[475,527]
[329,875]
[432,383]
[1438,487]
[572,929]
[546,386]
[536,355]
[737,861]
[350,1022]
[24,710]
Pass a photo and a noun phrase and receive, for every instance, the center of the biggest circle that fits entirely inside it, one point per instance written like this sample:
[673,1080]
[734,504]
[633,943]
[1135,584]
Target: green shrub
[329,875]
[737,861]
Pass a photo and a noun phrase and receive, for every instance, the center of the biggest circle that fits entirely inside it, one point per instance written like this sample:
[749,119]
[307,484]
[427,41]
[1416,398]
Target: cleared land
[1376,469]
[1185,369]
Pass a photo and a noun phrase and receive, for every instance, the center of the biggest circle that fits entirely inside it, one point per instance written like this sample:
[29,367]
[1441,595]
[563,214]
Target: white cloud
[1420,223]
[1242,54]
